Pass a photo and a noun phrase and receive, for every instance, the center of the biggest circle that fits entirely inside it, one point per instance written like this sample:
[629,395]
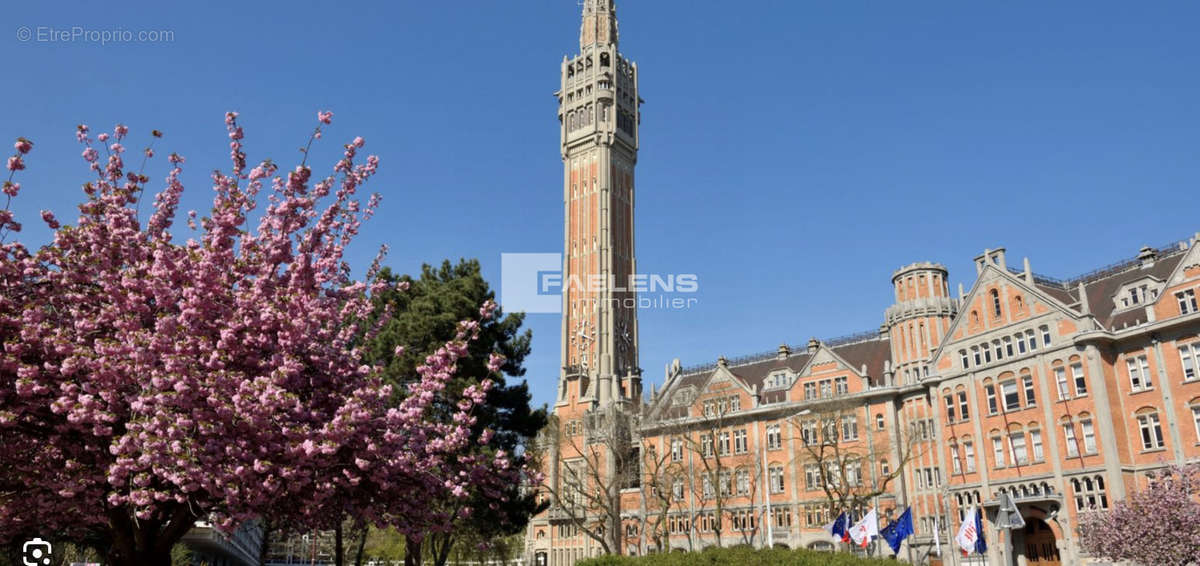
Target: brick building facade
[1060,393]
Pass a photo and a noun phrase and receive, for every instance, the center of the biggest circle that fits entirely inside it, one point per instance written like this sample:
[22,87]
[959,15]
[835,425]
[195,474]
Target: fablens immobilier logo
[534,283]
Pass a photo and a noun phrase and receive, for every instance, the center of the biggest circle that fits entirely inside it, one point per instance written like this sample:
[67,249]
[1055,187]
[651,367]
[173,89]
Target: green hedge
[740,556]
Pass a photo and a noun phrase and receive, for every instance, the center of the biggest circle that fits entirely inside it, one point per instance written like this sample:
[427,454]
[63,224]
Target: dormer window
[1135,293]
[778,380]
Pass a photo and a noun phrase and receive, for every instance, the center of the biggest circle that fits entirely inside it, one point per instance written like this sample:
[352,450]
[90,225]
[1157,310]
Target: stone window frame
[1070,439]
[1189,352]
[1157,440]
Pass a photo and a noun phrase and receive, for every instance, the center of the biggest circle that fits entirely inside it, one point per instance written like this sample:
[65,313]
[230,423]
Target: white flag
[967,535]
[863,530]
[828,528]
[937,537]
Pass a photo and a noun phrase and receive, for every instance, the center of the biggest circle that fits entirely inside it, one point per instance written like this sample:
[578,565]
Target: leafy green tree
[424,317]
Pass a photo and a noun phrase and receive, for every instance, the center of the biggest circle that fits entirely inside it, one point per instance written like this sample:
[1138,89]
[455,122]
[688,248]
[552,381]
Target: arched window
[974,317]
[955,459]
[996,303]
[1149,428]
[604,60]
[1087,433]
[1020,303]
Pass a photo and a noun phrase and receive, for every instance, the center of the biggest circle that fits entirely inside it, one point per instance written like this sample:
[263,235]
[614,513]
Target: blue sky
[793,153]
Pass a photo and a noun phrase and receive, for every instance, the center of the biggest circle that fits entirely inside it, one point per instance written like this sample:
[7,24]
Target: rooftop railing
[763,356]
[1111,269]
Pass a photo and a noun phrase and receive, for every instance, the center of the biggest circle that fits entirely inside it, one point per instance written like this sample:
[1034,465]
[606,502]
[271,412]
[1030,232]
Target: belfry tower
[599,114]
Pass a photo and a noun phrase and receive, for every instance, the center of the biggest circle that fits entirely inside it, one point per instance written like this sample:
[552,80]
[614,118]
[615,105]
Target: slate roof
[874,351]
[1102,285]
[752,371]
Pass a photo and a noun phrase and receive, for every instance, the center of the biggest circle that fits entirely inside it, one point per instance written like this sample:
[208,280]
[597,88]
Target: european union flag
[980,544]
[898,530]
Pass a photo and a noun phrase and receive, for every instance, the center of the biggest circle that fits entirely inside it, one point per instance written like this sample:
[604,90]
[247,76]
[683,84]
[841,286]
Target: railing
[763,356]
[738,361]
[851,338]
[1102,272]
[945,305]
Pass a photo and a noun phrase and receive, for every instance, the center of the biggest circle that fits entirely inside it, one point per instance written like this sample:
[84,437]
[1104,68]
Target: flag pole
[768,533]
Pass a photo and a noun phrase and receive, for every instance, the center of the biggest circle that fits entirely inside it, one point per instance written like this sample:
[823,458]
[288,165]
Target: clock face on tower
[624,338]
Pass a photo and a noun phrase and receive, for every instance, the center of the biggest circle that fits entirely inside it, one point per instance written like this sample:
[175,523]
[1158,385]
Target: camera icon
[36,552]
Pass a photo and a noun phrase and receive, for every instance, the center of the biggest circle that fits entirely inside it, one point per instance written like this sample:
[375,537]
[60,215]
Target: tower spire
[599,24]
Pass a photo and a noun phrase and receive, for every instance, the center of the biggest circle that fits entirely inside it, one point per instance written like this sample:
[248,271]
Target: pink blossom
[495,361]
[325,117]
[23,145]
[220,372]
[15,163]
[1170,537]
[48,217]
[11,189]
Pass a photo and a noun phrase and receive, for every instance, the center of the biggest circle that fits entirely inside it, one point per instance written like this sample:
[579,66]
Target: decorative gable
[997,300]
[824,361]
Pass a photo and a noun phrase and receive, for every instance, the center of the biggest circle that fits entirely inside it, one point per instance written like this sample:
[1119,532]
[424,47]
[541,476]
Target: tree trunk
[339,553]
[148,542]
[412,552]
[362,546]
[265,549]
[139,558]
[442,553]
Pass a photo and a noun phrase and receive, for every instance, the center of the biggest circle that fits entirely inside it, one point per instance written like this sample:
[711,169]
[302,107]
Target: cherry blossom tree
[147,383]
[1159,525]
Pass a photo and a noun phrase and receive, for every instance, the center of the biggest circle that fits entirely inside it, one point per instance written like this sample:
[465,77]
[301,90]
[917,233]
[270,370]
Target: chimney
[784,351]
[1147,255]
[722,362]
[813,345]
[980,260]
[1028,272]
[1083,300]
